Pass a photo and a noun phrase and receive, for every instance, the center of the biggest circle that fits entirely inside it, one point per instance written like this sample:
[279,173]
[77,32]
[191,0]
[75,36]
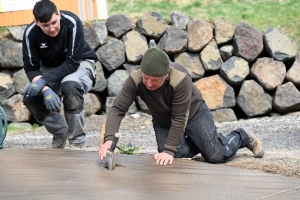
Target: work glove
[35,87]
[52,101]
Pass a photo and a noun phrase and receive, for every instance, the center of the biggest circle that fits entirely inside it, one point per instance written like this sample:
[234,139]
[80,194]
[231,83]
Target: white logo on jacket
[43,45]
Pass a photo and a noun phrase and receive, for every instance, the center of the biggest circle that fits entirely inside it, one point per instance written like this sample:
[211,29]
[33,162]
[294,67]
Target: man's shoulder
[69,15]
[31,30]
[177,74]
[136,76]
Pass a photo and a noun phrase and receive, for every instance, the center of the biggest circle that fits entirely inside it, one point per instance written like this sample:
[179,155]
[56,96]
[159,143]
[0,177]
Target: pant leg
[72,89]
[53,121]
[213,146]
[161,134]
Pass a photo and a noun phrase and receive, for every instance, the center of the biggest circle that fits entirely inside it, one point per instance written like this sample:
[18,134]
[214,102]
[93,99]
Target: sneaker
[77,146]
[58,143]
[255,144]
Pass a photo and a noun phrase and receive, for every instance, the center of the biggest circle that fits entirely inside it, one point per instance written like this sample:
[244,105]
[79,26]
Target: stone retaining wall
[242,72]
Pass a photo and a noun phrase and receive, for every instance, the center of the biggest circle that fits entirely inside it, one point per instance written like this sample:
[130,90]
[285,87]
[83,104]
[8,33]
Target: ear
[36,22]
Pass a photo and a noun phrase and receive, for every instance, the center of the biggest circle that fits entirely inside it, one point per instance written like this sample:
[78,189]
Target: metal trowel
[110,153]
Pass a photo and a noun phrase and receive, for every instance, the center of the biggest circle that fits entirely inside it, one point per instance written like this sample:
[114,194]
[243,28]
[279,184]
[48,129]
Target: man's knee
[36,106]
[72,96]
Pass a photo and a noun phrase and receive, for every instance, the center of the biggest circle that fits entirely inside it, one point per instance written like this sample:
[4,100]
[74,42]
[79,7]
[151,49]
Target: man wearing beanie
[182,121]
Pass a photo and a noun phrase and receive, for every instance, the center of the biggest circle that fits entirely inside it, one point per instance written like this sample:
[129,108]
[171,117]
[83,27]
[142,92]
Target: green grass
[11,128]
[261,14]
[2,29]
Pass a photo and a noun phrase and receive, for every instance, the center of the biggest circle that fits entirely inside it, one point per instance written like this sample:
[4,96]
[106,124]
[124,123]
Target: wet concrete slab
[66,174]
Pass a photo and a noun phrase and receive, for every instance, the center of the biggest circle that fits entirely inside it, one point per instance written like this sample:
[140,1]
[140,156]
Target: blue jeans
[201,136]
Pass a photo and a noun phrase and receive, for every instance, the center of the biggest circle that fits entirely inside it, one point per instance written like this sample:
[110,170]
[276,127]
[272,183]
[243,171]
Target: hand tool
[110,153]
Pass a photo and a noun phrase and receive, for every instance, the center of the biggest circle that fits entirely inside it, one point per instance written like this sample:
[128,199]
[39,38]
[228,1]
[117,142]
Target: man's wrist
[45,88]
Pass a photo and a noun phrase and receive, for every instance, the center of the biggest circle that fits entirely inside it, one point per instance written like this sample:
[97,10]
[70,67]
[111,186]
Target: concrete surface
[66,174]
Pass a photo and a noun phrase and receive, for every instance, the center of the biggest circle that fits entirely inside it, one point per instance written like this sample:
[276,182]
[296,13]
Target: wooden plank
[27,16]
[7,18]
[1,20]
[24,17]
[95,10]
[17,18]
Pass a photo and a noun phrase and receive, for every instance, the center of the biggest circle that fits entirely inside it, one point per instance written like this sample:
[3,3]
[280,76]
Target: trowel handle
[114,144]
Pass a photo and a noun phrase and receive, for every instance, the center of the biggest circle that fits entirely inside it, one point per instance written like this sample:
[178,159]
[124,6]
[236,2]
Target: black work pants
[201,136]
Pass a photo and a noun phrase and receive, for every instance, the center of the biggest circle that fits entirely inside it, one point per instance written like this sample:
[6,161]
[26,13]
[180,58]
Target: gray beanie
[155,62]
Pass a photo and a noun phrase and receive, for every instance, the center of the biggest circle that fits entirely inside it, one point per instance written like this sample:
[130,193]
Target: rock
[216,92]
[210,57]
[152,25]
[224,31]
[101,31]
[287,98]
[110,101]
[112,54]
[6,86]
[253,100]
[11,54]
[92,104]
[173,41]
[17,32]
[130,67]
[135,46]
[268,72]
[179,19]
[293,74]
[247,42]
[223,115]
[200,33]
[15,109]
[20,81]
[91,37]
[226,52]
[118,25]
[101,82]
[280,46]
[235,70]
[192,63]
[116,82]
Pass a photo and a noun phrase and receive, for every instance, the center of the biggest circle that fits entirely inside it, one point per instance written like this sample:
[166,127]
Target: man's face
[153,82]
[51,27]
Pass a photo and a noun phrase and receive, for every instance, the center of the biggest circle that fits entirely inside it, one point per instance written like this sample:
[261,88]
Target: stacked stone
[241,71]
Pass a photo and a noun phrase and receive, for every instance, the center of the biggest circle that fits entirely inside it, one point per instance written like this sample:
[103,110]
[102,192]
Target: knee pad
[72,96]
[36,106]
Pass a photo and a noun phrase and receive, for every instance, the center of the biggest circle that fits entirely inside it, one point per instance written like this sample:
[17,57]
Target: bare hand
[163,158]
[104,148]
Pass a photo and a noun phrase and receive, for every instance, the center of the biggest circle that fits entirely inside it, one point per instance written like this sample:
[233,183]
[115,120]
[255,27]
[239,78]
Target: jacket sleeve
[180,113]
[120,107]
[31,57]
[75,49]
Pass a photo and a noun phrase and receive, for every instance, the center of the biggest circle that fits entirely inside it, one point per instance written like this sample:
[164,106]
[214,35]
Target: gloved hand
[35,87]
[52,100]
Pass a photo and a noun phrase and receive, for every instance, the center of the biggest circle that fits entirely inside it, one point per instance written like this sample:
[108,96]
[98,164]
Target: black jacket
[64,51]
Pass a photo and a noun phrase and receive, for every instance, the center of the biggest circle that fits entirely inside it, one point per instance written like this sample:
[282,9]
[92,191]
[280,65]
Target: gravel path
[280,135]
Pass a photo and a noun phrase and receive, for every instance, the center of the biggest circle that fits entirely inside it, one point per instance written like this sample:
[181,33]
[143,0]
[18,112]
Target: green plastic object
[3,126]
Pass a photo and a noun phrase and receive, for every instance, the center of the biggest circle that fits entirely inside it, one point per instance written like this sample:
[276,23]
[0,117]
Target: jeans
[201,136]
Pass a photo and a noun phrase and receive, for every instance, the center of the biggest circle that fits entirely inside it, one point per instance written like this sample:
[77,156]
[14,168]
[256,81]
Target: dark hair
[43,10]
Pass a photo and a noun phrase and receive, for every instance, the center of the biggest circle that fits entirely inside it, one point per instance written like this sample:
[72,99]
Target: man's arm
[31,57]
[181,103]
[117,112]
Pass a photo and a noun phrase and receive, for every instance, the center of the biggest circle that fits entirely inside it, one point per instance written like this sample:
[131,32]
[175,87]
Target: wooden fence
[85,9]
